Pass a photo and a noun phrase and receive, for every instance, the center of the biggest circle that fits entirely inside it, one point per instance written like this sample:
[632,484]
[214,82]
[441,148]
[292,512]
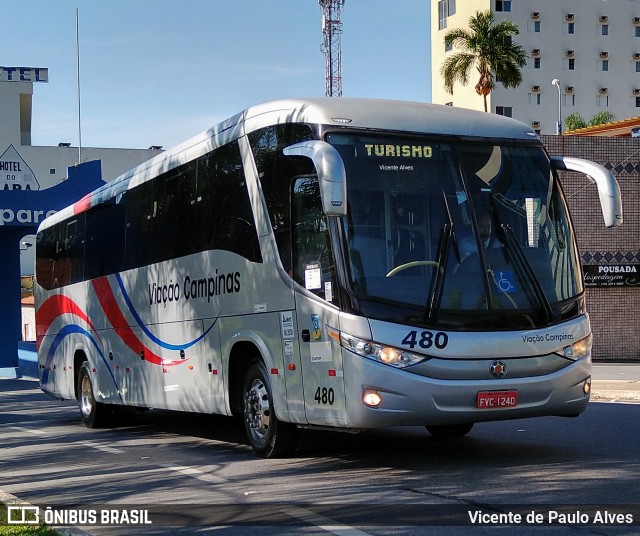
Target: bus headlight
[389,355]
[579,349]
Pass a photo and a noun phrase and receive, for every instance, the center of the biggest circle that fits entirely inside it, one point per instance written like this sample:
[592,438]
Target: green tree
[574,121]
[488,47]
[605,116]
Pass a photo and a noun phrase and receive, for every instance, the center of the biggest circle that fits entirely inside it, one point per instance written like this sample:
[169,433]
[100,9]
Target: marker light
[586,388]
[579,349]
[371,398]
[389,355]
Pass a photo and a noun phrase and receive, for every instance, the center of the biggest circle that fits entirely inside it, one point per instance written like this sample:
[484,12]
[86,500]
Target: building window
[451,7]
[536,63]
[536,26]
[569,99]
[442,15]
[571,64]
[637,31]
[605,65]
[448,47]
[637,102]
[507,111]
[503,5]
[602,101]
[637,66]
[534,98]
[571,27]
[605,29]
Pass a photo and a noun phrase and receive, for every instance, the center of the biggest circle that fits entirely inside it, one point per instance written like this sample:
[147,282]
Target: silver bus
[342,264]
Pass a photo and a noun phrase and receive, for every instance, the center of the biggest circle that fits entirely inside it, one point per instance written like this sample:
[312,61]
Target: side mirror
[608,188]
[331,173]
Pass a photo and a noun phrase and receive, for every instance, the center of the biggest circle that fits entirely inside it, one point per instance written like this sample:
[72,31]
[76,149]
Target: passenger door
[316,314]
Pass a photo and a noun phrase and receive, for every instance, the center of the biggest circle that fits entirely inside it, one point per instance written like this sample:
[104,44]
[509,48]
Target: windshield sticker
[505,281]
[312,276]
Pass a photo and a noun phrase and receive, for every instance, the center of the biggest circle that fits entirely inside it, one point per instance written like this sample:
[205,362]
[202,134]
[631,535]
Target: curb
[615,390]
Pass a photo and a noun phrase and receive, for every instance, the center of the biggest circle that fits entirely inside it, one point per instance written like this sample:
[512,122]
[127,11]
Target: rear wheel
[268,436]
[449,431]
[93,414]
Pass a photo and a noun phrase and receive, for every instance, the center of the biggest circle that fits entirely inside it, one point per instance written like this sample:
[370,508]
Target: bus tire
[449,431]
[92,413]
[268,436]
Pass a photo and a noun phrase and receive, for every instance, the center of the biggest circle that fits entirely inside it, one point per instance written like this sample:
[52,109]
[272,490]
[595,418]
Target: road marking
[29,430]
[195,473]
[103,448]
[323,522]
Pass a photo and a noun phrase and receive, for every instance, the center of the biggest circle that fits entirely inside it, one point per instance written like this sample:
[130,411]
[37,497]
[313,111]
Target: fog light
[587,386]
[371,398]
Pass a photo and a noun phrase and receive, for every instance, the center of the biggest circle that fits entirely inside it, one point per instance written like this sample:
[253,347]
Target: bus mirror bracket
[331,173]
[608,189]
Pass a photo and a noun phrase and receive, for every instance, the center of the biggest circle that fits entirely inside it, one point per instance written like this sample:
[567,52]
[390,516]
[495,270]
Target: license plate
[497,399]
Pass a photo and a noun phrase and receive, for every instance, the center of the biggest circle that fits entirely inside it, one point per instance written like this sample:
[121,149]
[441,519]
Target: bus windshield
[457,233]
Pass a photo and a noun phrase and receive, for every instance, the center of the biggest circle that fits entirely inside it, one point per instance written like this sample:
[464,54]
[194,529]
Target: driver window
[313,266]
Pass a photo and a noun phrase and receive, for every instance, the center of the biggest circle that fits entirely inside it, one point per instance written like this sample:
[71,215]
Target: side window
[105,239]
[276,172]
[139,227]
[313,265]
[222,205]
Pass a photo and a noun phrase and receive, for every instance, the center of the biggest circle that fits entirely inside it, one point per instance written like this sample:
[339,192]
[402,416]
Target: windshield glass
[457,233]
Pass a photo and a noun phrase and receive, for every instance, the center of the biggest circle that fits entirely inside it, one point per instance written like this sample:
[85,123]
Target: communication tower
[332,30]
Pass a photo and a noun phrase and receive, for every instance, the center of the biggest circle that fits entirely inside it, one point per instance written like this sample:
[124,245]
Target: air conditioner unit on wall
[636,56]
[568,89]
[604,90]
[636,20]
[569,53]
[535,89]
[535,124]
[604,54]
[535,15]
[636,91]
[604,18]
[535,52]
[569,17]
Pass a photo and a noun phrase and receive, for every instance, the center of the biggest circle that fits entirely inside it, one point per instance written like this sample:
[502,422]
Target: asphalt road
[196,474]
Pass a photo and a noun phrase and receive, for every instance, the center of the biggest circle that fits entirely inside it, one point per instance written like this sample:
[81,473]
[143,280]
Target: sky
[156,72]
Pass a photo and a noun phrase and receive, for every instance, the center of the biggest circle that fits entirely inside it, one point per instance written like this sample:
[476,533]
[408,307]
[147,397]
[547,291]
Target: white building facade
[592,47]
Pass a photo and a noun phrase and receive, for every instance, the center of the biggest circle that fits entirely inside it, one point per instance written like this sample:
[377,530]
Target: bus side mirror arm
[608,188]
[331,173]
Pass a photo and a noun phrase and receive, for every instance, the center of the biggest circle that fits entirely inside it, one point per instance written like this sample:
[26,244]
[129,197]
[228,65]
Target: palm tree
[488,47]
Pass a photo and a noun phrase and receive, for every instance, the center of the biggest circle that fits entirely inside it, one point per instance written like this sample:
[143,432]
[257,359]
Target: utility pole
[332,30]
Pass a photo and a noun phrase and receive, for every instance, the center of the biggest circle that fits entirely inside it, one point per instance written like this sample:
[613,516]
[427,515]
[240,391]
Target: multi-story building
[592,47]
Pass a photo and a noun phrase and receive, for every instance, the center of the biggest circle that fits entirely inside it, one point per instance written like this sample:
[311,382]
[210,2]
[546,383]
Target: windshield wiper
[512,243]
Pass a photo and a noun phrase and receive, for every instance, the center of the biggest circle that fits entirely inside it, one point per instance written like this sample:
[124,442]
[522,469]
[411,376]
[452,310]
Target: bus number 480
[426,339]
[325,396]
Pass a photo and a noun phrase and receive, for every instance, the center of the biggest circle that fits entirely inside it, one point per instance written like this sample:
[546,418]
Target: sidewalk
[616,382]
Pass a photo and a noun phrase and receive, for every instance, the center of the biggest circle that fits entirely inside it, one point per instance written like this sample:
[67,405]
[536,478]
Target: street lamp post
[556,82]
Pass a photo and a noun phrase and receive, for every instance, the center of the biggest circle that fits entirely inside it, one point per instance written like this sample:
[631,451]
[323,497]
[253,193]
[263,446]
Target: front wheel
[449,431]
[93,414]
[268,436]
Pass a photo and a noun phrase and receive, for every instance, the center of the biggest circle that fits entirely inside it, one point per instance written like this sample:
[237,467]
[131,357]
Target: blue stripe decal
[64,332]
[141,324]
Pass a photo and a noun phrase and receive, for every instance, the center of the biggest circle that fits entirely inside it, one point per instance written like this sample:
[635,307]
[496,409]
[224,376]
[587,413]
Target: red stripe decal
[51,309]
[82,205]
[120,325]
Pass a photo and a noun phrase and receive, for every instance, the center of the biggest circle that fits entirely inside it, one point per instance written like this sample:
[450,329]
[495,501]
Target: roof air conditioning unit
[535,124]
[604,54]
[604,18]
[535,52]
[569,17]
[569,53]
[636,91]
[568,89]
[604,90]
[535,89]
[535,15]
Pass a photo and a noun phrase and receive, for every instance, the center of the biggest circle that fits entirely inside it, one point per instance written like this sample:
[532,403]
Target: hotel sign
[24,74]
[616,275]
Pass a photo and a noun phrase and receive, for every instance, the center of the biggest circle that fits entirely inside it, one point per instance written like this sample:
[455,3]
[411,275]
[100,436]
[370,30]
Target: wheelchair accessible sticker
[505,281]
